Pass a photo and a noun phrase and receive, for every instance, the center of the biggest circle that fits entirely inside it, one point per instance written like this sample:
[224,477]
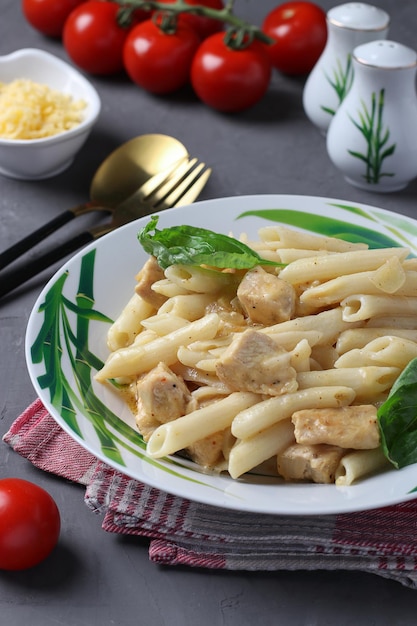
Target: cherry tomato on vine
[204,26]
[29,524]
[93,38]
[48,16]
[300,33]
[230,80]
[159,61]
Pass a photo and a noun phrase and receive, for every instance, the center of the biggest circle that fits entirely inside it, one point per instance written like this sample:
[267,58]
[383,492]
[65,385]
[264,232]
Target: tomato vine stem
[247,31]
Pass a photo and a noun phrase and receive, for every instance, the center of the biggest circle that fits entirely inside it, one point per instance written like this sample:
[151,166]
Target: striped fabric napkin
[182,532]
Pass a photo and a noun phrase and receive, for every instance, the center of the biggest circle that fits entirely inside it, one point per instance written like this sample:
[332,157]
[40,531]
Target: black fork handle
[25,244]
[17,277]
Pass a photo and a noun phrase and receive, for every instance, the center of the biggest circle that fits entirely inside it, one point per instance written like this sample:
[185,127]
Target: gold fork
[178,185]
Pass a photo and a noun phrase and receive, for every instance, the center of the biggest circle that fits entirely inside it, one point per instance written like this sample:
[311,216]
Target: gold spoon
[117,178]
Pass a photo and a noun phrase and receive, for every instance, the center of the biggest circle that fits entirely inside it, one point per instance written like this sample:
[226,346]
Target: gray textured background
[94,578]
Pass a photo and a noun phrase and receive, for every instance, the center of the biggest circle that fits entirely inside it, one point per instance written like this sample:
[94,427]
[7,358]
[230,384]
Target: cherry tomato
[29,524]
[93,38]
[140,15]
[204,26]
[48,16]
[230,80]
[157,61]
[300,33]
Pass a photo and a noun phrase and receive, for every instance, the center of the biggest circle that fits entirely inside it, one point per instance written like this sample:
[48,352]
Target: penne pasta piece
[290,338]
[395,321]
[337,289]
[145,336]
[359,337]
[326,267]
[283,255]
[257,418]
[410,264]
[164,323]
[190,306]
[247,454]
[199,279]
[167,288]
[324,357]
[300,356]
[358,464]
[328,323]
[288,255]
[388,351]
[362,307]
[390,277]
[186,430]
[135,360]
[368,383]
[290,238]
[123,331]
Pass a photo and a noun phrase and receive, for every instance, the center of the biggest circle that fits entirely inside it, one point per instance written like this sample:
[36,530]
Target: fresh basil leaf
[397,418]
[189,245]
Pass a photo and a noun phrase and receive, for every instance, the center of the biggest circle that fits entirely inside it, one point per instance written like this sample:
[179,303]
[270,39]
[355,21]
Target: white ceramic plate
[66,343]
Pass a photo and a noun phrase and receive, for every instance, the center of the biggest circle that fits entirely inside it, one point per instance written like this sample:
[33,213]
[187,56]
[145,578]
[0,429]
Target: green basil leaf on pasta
[397,418]
[189,245]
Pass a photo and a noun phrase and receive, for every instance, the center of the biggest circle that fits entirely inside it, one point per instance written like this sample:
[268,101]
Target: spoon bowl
[130,165]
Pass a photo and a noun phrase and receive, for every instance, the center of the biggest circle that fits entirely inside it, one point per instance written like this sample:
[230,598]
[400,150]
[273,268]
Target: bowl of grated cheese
[47,111]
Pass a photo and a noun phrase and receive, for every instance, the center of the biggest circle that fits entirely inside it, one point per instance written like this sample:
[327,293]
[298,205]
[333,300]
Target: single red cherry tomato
[157,61]
[230,80]
[300,33]
[48,16]
[93,38]
[29,524]
[204,26]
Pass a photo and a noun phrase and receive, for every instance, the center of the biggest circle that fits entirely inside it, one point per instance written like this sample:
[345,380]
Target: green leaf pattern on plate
[57,337]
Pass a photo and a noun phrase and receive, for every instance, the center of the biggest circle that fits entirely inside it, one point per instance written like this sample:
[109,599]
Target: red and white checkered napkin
[181,532]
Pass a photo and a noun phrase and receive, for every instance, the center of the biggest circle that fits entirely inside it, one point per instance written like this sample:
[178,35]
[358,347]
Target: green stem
[225,15]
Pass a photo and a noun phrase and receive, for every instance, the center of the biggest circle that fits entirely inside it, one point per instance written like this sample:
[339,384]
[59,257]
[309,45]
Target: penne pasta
[186,430]
[385,351]
[284,365]
[198,279]
[359,337]
[247,454]
[329,324]
[290,238]
[326,267]
[167,288]
[129,323]
[358,464]
[135,360]
[257,418]
[362,307]
[337,289]
[190,306]
[367,382]
[164,323]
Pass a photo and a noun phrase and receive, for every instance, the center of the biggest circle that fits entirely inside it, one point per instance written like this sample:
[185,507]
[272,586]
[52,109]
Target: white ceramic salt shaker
[372,138]
[348,26]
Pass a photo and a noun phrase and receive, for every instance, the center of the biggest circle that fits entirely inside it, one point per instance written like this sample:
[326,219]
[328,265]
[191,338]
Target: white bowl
[42,158]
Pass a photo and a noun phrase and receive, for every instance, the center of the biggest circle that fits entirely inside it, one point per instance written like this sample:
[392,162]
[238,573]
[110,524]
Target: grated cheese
[30,110]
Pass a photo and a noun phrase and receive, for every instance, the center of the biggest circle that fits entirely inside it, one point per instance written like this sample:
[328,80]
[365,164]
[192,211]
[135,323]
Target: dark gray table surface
[97,578]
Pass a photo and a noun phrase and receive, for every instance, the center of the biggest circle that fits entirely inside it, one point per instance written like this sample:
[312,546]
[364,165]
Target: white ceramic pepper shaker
[348,26]
[372,138]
